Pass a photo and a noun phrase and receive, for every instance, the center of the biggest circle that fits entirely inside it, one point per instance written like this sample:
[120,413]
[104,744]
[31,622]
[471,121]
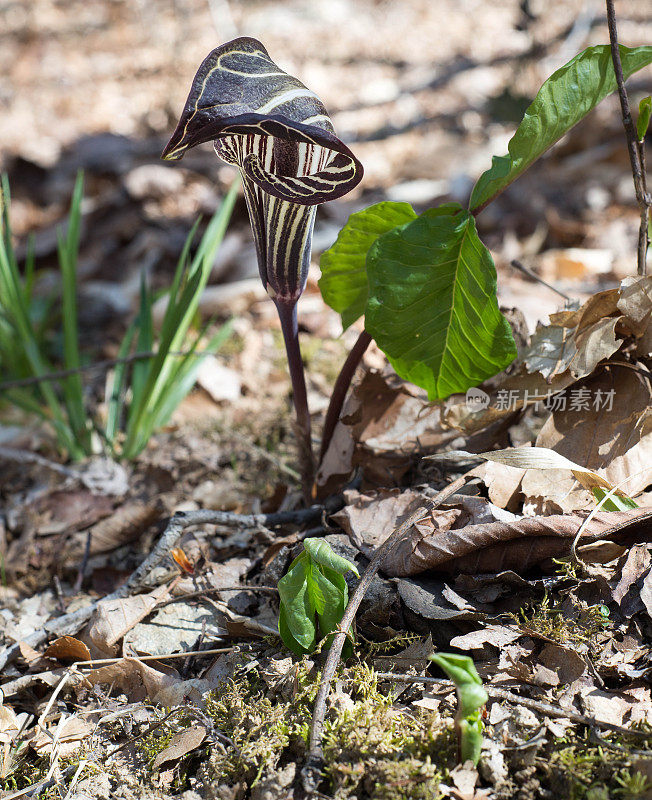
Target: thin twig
[69,624]
[527,271]
[341,388]
[81,572]
[511,697]
[243,587]
[634,147]
[311,773]
[25,457]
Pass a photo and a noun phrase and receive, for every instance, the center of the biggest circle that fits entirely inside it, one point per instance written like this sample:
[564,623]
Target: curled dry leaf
[8,725]
[563,352]
[518,545]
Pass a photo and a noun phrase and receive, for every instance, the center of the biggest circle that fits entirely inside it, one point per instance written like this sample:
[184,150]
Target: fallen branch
[311,773]
[69,624]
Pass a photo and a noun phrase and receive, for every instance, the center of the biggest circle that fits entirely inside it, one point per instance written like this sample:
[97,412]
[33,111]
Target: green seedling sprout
[471,699]
[313,596]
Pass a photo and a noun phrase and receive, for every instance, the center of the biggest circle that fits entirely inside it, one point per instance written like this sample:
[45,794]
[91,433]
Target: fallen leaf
[114,618]
[519,545]
[136,679]
[636,564]
[8,725]
[565,662]
[67,648]
[175,628]
[414,657]
[67,737]
[123,526]
[613,439]
[502,481]
[180,745]
[496,635]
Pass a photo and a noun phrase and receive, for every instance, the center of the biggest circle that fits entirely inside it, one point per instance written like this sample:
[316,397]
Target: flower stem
[341,388]
[287,312]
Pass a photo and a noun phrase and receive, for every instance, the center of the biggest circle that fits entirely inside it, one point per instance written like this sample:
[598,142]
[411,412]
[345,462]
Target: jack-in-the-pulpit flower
[279,135]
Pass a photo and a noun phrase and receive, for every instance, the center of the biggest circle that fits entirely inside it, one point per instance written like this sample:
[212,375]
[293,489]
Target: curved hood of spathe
[239,91]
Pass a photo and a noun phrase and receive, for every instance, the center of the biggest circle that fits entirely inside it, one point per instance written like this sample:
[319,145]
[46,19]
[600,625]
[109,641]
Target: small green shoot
[471,699]
[313,596]
[643,121]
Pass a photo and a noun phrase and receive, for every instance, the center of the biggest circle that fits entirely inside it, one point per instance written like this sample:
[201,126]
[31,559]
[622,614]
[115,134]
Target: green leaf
[343,281]
[564,99]
[432,303]
[288,640]
[317,598]
[617,501]
[334,602]
[644,113]
[296,601]
[322,553]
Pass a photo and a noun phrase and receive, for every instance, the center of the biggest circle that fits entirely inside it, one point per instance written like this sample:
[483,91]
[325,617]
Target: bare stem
[341,388]
[287,313]
[634,147]
[311,772]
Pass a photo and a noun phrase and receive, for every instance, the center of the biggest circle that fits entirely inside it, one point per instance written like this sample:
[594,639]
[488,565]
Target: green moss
[583,627]
[579,770]
[371,747]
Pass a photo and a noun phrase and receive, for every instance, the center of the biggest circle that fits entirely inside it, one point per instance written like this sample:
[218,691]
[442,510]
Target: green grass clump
[141,395]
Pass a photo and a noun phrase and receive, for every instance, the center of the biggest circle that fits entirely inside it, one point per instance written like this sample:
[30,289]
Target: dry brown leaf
[496,635]
[502,481]
[635,566]
[564,662]
[137,680]
[67,648]
[383,421]
[518,545]
[113,618]
[63,510]
[123,526]
[615,441]
[576,341]
[68,737]
[368,518]
[180,745]
[635,302]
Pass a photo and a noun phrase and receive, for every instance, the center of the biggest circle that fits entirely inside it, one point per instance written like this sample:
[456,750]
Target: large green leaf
[299,612]
[343,281]
[432,303]
[564,99]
